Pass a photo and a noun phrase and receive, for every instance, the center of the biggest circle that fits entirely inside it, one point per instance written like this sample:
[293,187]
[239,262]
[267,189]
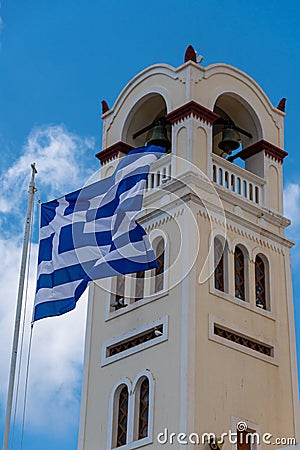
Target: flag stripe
[92,233]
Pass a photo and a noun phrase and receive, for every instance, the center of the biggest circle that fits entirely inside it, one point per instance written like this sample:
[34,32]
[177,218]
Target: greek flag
[92,233]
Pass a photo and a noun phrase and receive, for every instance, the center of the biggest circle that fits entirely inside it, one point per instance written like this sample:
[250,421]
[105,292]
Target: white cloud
[291,195]
[57,347]
[60,157]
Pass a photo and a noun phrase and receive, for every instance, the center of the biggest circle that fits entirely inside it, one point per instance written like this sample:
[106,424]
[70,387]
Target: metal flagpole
[18,310]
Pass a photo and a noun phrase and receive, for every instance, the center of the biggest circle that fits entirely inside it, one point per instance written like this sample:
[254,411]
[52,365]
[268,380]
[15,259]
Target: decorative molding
[190,54]
[133,391]
[271,150]
[192,109]
[244,232]
[113,151]
[160,324]
[237,330]
[154,224]
[281,104]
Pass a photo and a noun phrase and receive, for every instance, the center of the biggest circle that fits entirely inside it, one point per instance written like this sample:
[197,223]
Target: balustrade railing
[237,180]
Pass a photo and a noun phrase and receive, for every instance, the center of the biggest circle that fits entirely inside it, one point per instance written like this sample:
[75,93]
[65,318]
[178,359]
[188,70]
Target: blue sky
[58,60]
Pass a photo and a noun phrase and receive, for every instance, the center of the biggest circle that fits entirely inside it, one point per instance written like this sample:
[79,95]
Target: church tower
[205,343]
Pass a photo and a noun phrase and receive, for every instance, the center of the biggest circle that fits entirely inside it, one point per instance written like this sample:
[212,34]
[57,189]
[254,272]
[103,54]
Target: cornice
[192,109]
[112,152]
[270,149]
[234,222]
[246,229]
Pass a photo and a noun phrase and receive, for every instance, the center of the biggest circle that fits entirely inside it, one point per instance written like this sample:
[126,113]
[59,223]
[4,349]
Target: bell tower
[205,342]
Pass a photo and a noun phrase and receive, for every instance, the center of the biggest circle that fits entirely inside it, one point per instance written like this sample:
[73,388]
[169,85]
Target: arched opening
[241,275]
[117,300]
[139,285]
[143,411]
[146,110]
[159,248]
[234,110]
[262,297]
[220,264]
[120,419]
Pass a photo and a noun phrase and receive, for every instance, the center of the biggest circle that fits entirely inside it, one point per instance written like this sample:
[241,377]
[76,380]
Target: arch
[232,106]
[139,285]
[119,409]
[143,388]
[200,157]
[164,70]
[181,144]
[146,109]
[224,70]
[273,180]
[117,291]
[262,282]
[241,272]
[109,171]
[220,263]
[159,249]
[159,276]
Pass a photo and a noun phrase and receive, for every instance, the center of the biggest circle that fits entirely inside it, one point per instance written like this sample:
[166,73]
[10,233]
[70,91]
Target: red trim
[269,149]
[105,106]
[281,104]
[111,152]
[190,54]
[195,109]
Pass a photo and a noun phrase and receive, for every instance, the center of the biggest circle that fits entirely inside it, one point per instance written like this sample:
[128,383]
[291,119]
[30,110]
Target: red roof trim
[195,109]
[111,152]
[270,150]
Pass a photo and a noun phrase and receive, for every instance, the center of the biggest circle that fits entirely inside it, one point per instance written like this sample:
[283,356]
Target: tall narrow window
[122,417]
[143,409]
[219,265]
[119,294]
[139,285]
[239,273]
[159,271]
[260,283]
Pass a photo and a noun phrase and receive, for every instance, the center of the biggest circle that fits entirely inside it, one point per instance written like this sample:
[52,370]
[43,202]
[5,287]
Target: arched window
[139,285]
[131,409]
[143,418]
[220,263]
[122,417]
[260,283]
[159,248]
[118,295]
[239,273]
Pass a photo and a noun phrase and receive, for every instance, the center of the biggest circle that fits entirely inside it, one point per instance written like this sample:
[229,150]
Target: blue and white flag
[92,233]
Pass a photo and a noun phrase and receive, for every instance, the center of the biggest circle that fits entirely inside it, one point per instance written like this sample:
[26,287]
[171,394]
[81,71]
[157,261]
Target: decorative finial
[190,54]
[281,104]
[105,106]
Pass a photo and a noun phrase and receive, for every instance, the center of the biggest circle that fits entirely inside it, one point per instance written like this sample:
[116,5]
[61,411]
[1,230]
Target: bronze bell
[159,137]
[230,140]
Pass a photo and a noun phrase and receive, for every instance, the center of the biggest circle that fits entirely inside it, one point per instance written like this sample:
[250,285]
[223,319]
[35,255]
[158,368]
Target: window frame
[268,302]
[136,389]
[224,257]
[246,256]
[149,294]
[105,360]
[154,273]
[133,388]
[114,413]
